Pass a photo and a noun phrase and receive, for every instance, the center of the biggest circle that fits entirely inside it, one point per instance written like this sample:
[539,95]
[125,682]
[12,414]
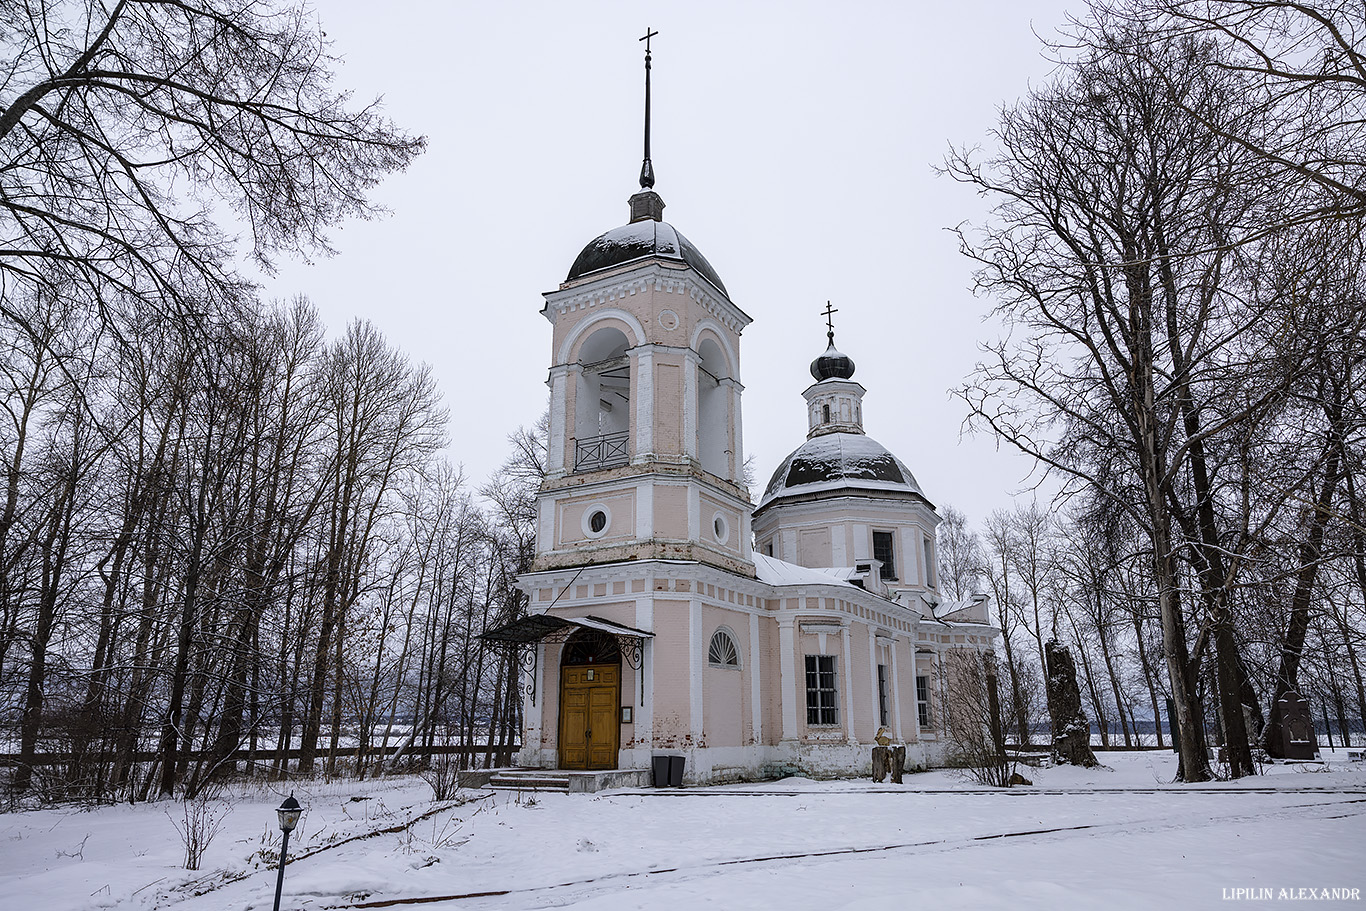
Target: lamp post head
[289,812]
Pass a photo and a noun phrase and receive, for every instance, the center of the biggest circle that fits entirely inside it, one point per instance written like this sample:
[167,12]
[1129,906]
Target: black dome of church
[834,462]
[639,240]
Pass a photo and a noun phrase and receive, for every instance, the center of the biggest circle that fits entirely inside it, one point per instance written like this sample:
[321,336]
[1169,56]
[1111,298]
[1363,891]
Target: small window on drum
[722,652]
[721,528]
[597,519]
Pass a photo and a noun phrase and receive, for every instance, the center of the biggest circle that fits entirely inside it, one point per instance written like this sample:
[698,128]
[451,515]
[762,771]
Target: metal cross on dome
[829,313]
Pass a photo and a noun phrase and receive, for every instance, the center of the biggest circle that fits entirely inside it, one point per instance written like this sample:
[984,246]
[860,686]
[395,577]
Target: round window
[720,527]
[596,520]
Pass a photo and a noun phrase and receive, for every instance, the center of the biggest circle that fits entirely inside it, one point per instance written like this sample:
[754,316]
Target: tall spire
[647,168]
[645,203]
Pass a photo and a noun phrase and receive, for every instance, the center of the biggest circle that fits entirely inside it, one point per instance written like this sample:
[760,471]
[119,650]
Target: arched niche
[602,399]
[713,408]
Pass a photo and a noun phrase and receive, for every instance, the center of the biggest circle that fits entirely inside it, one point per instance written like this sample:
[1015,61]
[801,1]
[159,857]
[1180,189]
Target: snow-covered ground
[1114,838]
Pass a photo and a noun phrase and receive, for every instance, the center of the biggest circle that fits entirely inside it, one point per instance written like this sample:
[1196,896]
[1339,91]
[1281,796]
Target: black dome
[837,461]
[832,363]
[639,240]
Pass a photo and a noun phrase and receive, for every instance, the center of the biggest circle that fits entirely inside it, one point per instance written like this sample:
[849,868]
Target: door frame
[615,726]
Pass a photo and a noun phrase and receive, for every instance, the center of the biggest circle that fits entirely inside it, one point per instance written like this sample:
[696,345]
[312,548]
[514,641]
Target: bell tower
[646,455]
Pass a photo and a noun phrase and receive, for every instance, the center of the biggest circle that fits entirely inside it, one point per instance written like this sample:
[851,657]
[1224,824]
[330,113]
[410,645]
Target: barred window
[821,697]
[721,652]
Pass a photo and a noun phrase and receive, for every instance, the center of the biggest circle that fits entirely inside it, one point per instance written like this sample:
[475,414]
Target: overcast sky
[794,144]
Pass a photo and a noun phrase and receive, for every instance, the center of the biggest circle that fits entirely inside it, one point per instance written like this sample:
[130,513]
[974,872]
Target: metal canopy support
[527,634]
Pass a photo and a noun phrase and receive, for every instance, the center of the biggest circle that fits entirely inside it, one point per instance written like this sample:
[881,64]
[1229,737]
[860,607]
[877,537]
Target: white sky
[794,144]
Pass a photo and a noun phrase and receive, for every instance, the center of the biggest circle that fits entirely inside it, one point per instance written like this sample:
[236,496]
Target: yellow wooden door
[590,733]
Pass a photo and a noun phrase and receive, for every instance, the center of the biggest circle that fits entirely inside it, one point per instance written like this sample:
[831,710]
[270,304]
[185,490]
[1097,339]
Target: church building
[670,615]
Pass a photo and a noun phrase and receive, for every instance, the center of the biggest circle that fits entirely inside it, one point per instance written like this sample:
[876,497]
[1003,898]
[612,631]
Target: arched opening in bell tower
[602,409]
[713,409]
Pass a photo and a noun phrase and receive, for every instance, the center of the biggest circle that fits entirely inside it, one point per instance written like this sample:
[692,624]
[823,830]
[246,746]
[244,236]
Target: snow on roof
[779,572]
[944,608]
[640,240]
[836,461]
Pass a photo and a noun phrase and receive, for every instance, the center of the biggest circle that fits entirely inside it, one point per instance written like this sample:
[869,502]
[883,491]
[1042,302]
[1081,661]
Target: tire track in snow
[612,881]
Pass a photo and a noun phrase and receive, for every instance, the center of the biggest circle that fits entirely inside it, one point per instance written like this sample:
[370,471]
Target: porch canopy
[524,634]
[533,628]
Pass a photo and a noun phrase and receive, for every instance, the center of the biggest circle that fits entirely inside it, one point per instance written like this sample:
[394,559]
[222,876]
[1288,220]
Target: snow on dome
[638,240]
[837,461]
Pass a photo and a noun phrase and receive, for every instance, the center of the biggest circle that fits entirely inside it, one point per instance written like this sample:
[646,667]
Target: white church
[671,615]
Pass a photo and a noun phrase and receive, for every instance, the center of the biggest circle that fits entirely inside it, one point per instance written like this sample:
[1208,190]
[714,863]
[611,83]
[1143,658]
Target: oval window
[597,521]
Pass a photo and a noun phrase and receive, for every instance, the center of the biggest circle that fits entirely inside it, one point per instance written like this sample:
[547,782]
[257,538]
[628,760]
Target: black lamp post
[289,818]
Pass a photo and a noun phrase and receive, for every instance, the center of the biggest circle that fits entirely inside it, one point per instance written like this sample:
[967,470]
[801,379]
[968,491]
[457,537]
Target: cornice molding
[649,276]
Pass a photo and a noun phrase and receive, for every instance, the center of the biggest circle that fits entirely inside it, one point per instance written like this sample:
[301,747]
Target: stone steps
[561,781]
[529,781]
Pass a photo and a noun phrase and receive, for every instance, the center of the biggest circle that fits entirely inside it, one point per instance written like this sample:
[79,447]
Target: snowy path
[1115,838]
[670,887]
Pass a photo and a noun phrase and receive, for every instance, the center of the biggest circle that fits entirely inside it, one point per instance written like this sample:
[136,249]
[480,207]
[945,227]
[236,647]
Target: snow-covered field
[1114,838]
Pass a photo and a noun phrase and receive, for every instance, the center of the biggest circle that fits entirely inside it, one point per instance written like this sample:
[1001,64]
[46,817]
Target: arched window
[721,652]
[588,646]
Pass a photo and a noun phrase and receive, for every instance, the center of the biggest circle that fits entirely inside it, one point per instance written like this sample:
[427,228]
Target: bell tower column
[561,378]
[643,432]
[690,404]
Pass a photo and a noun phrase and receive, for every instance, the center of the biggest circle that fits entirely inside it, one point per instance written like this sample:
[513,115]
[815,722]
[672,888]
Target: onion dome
[640,240]
[832,364]
[840,461]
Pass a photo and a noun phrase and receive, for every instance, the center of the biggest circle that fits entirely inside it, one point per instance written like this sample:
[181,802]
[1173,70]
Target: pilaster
[848,689]
[755,675]
[643,370]
[786,660]
[896,692]
[690,404]
[697,662]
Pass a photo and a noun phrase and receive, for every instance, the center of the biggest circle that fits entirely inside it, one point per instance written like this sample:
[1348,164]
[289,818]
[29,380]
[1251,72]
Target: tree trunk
[1072,743]
[1292,651]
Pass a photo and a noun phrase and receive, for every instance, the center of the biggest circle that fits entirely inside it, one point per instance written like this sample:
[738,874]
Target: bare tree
[1303,63]
[961,560]
[974,717]
[124,124]
[1000,546]
[1105,255]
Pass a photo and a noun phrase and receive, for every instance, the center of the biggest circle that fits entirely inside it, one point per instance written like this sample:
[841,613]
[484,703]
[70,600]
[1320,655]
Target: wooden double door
[590,700]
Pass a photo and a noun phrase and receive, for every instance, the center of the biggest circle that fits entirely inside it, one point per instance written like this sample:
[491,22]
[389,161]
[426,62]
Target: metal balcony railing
[606,451]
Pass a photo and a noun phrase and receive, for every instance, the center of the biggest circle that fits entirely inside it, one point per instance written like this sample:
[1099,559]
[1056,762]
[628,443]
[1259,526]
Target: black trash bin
[675,771]
[661,771]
